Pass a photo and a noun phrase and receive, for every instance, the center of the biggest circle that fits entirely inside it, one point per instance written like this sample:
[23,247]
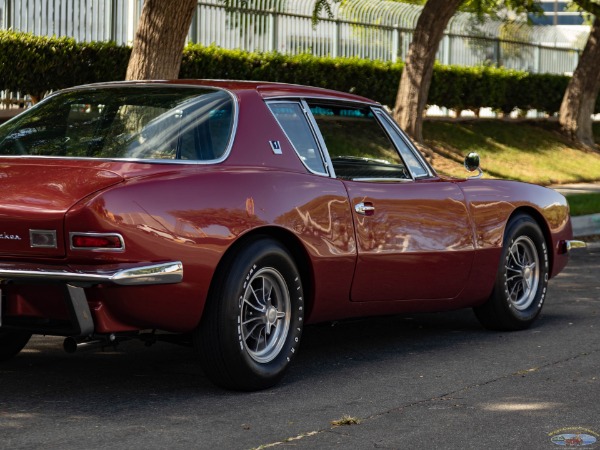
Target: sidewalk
[577,188]
[588,225]
[7,114]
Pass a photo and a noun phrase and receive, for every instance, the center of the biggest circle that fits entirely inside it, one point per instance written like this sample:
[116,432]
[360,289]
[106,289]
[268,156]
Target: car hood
[36,196]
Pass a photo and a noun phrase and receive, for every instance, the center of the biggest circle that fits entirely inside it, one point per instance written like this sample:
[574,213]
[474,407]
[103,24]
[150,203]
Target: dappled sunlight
[514,150]
[15,420]
[518,406]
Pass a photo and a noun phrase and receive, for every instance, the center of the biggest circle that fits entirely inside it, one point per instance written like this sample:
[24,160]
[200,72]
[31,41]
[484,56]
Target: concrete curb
[586,225]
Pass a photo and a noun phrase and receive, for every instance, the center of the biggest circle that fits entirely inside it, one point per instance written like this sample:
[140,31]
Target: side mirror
[472,164]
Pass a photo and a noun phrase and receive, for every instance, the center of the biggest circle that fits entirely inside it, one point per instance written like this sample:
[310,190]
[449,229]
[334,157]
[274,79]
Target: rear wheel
[12,342]
[252,321]
[521,280]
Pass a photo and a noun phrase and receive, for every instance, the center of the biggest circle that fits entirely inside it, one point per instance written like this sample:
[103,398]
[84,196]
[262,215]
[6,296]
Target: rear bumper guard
[81,323]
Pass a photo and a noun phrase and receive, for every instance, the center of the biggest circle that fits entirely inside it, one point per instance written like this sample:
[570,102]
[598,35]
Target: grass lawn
[582,204]
[531,151]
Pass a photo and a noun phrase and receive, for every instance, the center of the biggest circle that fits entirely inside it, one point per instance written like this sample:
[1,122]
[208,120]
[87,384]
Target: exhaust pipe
[71,344]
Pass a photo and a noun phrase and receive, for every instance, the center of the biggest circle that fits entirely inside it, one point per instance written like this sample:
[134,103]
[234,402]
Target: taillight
[97,242]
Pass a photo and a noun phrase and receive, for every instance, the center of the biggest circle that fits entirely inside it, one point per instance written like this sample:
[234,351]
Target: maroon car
[229,214]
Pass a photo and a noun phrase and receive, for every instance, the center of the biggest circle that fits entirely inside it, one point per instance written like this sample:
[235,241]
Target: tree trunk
[418,67]
[577,107]
[159,39]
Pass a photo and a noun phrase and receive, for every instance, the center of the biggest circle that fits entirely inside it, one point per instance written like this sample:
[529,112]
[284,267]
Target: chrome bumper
[74,280]
[162,273]
[570,245]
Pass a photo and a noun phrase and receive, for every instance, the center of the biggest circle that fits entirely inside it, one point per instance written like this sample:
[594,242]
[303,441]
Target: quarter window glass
[293,121]
[358,146]
[411,160]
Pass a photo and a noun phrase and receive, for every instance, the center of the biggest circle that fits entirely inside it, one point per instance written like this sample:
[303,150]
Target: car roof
[266,89]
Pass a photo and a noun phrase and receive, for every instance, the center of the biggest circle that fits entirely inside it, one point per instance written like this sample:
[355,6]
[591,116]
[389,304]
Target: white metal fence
[373,29]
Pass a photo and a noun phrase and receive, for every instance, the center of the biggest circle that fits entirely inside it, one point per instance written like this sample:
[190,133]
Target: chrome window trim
[96,249]
[385,116]
[226,153]
[307,117]
[382,180]
[336,100]
[320,140]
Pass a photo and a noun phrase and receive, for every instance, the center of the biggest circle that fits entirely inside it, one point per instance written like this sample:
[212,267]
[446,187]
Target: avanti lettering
[10,237]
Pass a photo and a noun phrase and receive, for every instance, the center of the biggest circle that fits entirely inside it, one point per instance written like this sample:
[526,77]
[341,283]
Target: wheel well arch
[290,242]
[541,222]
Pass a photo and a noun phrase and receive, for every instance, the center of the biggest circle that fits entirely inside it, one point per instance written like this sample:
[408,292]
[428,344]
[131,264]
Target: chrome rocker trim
[163,273]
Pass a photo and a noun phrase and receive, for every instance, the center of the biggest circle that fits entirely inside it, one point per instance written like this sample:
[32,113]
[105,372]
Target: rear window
[138,122]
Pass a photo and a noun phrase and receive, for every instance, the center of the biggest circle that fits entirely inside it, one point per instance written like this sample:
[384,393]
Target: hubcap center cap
[527,272]
[271,315]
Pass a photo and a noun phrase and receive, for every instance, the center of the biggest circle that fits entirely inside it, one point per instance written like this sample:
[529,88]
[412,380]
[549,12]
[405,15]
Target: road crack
[452,395]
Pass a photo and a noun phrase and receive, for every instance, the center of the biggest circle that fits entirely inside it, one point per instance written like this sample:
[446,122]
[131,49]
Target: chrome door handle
[366,209]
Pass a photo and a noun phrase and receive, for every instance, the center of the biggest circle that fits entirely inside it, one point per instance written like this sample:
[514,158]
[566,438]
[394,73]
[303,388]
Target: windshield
[140,122]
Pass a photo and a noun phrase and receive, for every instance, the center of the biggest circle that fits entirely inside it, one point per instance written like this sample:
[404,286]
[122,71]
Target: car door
[413,231]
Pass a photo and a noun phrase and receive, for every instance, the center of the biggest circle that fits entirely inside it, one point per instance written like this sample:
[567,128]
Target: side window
[358,146]
[292,119]
[416,166]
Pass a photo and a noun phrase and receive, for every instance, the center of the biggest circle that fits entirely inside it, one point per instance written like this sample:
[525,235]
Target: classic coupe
[230,214]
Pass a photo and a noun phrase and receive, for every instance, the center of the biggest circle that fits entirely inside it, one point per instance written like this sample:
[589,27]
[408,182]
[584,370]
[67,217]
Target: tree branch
[590,6]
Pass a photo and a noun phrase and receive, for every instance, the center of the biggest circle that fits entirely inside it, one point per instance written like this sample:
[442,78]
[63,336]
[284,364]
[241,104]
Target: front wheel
[252,322]
[521,280]
[12,342]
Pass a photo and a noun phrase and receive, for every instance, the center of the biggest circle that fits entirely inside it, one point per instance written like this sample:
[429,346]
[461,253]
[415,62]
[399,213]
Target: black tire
[11,343]
[252,321]
[521,281]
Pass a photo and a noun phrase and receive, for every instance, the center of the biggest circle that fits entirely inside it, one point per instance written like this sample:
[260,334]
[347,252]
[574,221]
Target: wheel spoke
[254,307]
[254,319]
[515,258]
[257,341]
[512,291]
[249,334]
[259,301]
[267,296]
[513,278]
[521,272]
[265,314]
[521,255]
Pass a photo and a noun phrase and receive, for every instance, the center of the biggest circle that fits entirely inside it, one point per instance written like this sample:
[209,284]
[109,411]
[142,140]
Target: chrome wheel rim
[522,273]
[265,315]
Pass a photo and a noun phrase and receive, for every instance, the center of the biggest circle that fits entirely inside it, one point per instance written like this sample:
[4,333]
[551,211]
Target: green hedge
[374,79]
[35,65]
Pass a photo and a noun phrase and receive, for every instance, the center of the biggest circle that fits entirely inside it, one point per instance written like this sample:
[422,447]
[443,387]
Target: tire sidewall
[12,342]
[263,253]
[524,226]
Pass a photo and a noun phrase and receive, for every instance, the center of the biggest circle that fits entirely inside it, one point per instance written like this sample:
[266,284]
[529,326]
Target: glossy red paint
[38,195]
[430,244]
[417,225]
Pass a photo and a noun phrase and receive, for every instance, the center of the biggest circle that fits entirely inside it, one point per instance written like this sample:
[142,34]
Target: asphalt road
[419,382]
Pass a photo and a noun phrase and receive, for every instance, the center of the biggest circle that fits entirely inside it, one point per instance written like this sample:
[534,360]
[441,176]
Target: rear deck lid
[34,199]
